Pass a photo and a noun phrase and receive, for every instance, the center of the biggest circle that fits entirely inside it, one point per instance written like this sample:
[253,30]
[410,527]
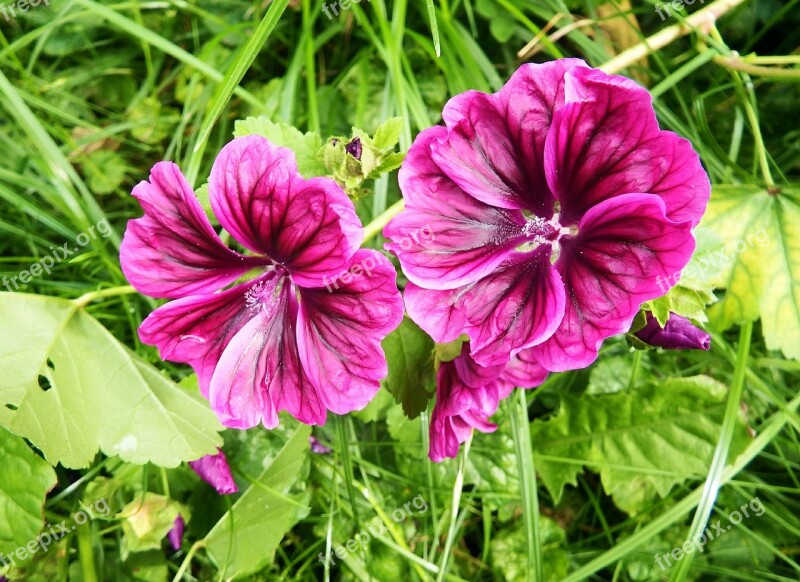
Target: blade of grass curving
[713,481]
[232,79]
[520,427]
[458,487]
[437,45]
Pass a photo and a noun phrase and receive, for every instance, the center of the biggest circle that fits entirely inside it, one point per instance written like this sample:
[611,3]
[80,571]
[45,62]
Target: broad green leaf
[760,265]
[245,539]
[610,375]
[409,351]
[71,388]
[25,480]
[307,147]
[388,133]
[642,443]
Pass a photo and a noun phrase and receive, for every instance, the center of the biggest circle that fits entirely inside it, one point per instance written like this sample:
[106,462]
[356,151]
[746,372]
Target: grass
[94,93]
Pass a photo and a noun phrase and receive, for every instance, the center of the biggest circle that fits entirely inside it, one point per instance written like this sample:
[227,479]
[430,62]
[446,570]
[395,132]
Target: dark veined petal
[310,226]
[677,334]
[340,328]
[605,141]
[518,305]
[260,374]
[172,251]
[460,408]
[494,148]
[214,470]
[195,330]
[624,247]
[446,238]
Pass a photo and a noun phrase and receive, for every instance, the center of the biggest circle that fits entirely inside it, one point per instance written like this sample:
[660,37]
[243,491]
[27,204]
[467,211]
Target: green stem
[188,560]
[458,487]
[714,479]
[520,425]
[375,227]
[86,554]
[87,298]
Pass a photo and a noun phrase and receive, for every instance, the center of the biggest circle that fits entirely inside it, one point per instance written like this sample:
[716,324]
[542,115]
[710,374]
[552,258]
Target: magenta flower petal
[340,328]
[214,470]
[495,143]
[517,306]
[260,373]
[677,334]
[606,142]
[195,330]
[175,535]
[172,251]
[624,247]
[520,305]
[461,407]
[435,312]
[309,226]
[523,371]
[446,238]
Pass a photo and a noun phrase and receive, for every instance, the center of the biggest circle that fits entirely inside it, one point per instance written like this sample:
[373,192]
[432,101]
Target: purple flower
[467,394]
[304,334]
[354,148]
[556,203]
[317,447]
[214,470]
[677,334]
[175,535]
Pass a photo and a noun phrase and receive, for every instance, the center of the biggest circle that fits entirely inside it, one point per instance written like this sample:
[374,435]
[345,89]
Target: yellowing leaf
[760,265]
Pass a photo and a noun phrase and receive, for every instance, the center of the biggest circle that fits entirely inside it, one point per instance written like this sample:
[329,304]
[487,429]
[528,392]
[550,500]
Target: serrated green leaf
[71,388]
[388,133]
[642,443]
[245,539]
[307,147]
[409,351]
[25,479]
[610,375]
[761,270]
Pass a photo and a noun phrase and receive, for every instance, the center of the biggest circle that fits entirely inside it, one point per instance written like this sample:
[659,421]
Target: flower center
[537,231]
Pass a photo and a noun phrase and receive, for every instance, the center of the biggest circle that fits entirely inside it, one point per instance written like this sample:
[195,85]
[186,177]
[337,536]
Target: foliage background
[633,455]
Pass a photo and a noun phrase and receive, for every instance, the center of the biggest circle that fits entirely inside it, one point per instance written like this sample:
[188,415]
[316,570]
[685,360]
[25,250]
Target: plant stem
[520,426]
[188,560]
[86,553]
[651,44]
[458,487]
[375,227]
[87,298]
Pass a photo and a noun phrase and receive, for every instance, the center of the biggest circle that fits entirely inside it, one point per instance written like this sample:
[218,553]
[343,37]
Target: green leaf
[388,134]
[71,388]
[509,544]
[760,266]
[307,147]
[246,537]
[642,443]
[105,171]
[409,352]
[24,482]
